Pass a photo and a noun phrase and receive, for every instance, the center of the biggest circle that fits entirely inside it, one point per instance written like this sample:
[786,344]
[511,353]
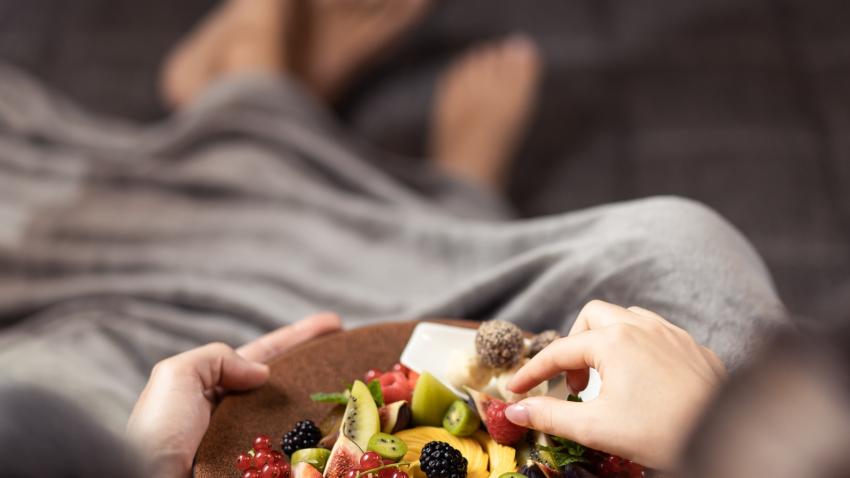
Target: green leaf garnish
[564,452]
[340,398]
[377,394]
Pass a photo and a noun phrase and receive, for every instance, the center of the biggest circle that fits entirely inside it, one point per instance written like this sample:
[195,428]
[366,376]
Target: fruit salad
[401,423]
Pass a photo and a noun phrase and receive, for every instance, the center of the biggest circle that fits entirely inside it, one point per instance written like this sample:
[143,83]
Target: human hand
[656,381]
[173,411]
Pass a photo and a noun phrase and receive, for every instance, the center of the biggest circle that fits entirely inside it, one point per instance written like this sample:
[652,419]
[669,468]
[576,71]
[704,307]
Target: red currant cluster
[263,462]
[615,467]
[397,384]
[371,465]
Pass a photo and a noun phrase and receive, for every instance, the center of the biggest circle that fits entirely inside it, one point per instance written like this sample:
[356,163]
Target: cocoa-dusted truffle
[499,344]
[541,340]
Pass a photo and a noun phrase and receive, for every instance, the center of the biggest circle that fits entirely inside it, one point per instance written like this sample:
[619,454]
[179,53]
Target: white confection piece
[464,369]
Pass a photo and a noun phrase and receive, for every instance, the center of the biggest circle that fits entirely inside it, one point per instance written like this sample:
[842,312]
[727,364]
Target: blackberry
[439,460]
[305,435]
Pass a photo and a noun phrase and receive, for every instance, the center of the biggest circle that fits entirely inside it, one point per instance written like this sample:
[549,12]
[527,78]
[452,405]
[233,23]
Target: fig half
[395,416]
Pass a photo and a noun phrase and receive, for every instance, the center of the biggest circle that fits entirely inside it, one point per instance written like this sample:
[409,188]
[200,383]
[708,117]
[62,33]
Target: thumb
[219,366]
[554,416]
[237,373]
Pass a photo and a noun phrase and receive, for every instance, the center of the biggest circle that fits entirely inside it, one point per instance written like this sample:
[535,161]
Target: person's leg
[344,35]
[482,106]
[322,43]
[670,255]
[240,35]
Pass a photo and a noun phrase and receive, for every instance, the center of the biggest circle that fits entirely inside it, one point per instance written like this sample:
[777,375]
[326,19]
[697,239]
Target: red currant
[243,462]
[370,460]
[387,461]
[386,473]
[251,473]
[270,471]
[278,457]
[262,442]
[373,374]
[263,458]
[399,474]
[351,474]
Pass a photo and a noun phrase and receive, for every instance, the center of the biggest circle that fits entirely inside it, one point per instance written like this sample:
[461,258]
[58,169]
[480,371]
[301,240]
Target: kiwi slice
[388,446]
[318,457]
[361,419]
[460,420]
[511,474]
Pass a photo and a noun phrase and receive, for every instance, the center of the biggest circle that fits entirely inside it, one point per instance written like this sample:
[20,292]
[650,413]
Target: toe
[522,51]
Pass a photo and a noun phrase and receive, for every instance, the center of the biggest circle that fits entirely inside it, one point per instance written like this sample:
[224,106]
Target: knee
[683,223]
[673,230]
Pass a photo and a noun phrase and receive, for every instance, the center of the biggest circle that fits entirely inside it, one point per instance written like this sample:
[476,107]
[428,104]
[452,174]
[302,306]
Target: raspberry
[305,435]
[503,431]
[440,460]
[395,386]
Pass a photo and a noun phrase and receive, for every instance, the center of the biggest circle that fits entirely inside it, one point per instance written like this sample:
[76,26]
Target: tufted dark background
[741,104]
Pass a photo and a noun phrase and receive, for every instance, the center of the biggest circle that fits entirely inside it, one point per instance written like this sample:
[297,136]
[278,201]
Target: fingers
[575,352]
[597,314]
[554,416]
[214,366]
[218,365]
[714,362]
[274,343]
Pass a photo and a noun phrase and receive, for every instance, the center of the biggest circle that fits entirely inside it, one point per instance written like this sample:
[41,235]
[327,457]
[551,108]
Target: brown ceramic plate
[323,365]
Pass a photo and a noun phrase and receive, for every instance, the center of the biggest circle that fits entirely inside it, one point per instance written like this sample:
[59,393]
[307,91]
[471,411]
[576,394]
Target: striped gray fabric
[121,244]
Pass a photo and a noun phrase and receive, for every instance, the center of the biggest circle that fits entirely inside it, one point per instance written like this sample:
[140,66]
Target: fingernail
[518,413]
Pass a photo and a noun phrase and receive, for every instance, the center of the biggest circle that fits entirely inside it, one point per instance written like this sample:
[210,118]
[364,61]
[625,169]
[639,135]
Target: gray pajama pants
[122,244]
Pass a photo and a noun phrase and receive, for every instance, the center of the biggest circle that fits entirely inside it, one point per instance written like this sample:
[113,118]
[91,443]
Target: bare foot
[239,35]
[482,106]
[343,35]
